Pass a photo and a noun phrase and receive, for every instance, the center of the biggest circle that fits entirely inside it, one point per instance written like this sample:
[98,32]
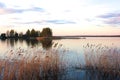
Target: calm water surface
[71,44]
[75,49]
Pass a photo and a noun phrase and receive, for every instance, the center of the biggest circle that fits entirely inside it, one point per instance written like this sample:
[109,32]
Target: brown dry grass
[27,65]
[102,58]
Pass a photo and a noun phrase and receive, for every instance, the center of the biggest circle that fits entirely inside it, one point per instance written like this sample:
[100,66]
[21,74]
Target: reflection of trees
[12,42]
[31,42]
[21,40]
[28,42]
[16,40]
[3,40]
[46,43]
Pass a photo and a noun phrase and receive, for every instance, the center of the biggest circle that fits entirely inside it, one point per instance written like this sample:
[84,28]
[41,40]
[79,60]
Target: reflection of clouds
[77,44]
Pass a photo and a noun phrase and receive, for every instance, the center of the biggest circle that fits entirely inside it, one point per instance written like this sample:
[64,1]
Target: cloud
[37,9]
[60,22]
[24,10]
[89,20]
[32,22]
[115,20]
[15,18]
[110,15]
[111,18]
[47,21]
[67,11]
[2,5]
[4,10]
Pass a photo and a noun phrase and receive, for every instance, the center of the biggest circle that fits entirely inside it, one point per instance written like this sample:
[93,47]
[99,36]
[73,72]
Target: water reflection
[90,75]
[45,43]
[99,55]
[32,42]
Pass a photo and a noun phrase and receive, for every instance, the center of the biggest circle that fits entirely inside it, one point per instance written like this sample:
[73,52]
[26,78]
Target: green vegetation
[46,32]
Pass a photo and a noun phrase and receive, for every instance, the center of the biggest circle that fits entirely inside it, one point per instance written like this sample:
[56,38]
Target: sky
[64,17]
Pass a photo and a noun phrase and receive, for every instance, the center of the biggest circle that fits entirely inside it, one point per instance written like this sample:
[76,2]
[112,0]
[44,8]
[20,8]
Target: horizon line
[87,36]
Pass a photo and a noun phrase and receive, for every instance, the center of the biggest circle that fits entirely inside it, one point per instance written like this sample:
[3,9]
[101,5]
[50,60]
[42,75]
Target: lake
[84,57]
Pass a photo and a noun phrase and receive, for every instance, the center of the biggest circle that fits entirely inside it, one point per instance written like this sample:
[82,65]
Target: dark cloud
[60,22]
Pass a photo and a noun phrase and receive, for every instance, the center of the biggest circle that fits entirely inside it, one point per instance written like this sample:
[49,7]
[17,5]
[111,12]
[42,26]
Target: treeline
[46,32]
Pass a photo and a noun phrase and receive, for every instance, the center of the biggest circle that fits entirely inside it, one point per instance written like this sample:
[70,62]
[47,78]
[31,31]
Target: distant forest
[46,32]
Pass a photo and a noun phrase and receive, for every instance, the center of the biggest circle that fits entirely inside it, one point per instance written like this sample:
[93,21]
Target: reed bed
[102,59]
[32,64]
[101,63]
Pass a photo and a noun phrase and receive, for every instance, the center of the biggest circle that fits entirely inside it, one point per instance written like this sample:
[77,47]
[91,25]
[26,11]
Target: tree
[3,36]
[33,33]
[12,33]
[20,34]
[46,32]
[16,35]
[37,33]
[28,33]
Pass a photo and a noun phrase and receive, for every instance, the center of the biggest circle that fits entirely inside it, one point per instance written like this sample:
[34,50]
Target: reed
[32,64]
[102,58]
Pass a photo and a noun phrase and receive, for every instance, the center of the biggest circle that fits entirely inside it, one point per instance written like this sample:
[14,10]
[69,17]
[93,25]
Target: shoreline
[61,37]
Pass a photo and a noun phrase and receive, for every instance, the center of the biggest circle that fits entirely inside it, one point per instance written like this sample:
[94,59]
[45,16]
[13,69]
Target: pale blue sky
[65,17]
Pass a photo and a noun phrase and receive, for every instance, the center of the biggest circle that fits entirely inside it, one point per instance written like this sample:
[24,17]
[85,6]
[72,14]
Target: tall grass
[32,64]
[101,63]
[103,59]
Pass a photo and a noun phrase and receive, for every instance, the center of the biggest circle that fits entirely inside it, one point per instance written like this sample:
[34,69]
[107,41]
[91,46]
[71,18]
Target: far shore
[66,37]
[89,36]
[82,36]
